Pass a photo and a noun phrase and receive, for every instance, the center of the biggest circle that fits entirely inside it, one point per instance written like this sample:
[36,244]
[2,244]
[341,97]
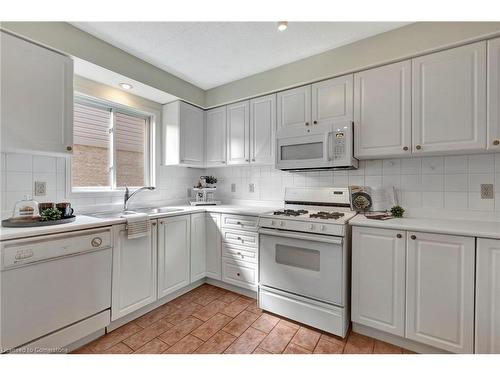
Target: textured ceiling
[209,54]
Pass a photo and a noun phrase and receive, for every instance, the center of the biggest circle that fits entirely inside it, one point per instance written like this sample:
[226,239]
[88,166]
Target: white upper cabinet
[183,131]
[294,110]
[378,279]
[36,98]
[332,101]
[238,133]
[382,111]
[440,291]
[263,129]
[488,296]
[449,100]
[215,143]
[494,95]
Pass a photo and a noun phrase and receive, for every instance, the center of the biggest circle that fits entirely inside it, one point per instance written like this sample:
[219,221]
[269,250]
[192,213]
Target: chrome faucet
[128,196]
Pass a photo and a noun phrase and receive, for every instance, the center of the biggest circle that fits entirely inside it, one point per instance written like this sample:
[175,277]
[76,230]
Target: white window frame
[149,154]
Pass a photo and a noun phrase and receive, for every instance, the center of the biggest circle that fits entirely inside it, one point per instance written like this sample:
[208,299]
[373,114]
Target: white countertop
[87,222]
[472,228]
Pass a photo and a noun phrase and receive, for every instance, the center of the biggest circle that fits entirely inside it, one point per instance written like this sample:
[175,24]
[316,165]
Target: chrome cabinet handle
[96,242]
[413,237]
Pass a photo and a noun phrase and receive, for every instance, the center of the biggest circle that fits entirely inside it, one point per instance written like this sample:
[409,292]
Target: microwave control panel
[339,145]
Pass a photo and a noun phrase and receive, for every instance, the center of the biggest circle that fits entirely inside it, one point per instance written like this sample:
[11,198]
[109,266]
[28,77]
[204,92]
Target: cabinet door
[440,291]
[449,100]
[198,246]
[192,134]
[332,101]
[263,129]
[173,254]
[488,296]
[493,95]
[378,279]
[238,133]
[36,97]
[294,110]
[134,271]
[214,242]
[382,111]
[215,137]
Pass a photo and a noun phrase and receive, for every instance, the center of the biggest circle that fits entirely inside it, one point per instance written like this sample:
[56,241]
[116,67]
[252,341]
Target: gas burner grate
[326,215]
[290,212]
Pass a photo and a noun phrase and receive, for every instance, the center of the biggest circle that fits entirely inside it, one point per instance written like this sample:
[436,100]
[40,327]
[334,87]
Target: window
[111,147]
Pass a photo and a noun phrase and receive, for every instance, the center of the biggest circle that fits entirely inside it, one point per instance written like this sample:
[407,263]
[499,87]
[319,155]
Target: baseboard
[232,288]
[396,340]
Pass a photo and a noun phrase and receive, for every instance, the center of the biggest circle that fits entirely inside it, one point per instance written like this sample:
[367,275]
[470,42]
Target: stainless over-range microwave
[331,148]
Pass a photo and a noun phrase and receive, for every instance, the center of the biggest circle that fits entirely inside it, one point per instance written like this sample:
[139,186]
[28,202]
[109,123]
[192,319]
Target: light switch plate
[487,191]
[251,188]
[233,188]
[40,188]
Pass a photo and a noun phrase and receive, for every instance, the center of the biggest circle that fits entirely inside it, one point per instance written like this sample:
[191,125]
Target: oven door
[308,265]
[313,151]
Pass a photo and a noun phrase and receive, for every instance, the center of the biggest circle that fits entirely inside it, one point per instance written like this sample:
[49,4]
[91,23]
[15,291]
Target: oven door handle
[303,236]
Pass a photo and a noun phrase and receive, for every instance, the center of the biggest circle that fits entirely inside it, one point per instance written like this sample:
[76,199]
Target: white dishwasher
[55,289]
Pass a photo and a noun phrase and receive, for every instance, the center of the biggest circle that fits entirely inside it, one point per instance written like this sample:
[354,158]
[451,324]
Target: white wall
[427,185]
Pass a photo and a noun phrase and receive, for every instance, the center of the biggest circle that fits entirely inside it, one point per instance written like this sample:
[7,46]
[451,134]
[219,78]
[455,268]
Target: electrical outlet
[40,188]
[251,188]
[233,188]
[487,191]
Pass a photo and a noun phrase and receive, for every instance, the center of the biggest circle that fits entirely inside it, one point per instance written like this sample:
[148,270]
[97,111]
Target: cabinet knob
[418,147]
[307,124]
[69,148]
[315,122]
[238,274]
[308,130]
[96,241]
[153,224]
[399,235]
[496,142]
[405,148]
[223,162]
[413,237]
[247,160]
[161,222]
[253,159]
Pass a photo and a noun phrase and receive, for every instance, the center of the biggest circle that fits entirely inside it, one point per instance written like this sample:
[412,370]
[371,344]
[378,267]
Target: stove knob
[323,228]
[282,223]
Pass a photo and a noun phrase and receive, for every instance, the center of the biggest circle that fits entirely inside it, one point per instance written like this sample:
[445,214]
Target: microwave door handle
[328,146]
[302,236]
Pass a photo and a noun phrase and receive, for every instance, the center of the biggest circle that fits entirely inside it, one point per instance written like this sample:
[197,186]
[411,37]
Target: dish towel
[138,225]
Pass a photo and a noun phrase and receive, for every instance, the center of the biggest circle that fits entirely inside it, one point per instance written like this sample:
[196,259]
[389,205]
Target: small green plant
[397,211]
[50,214]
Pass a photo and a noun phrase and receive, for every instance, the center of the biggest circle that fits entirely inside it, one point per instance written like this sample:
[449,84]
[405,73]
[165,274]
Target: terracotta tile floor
[213,320]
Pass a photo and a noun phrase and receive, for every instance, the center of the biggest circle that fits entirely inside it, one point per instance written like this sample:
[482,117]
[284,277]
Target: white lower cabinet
[134,271]
[242,274]
[198,246]
[173,254]
[378,279]
[488,296]
[440,291]
[213,246]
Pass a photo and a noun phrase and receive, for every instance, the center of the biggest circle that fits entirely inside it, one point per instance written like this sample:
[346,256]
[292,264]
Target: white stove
[312,210]
[304,257]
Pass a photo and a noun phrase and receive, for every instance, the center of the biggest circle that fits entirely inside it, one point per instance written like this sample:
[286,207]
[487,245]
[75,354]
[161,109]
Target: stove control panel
[302,226]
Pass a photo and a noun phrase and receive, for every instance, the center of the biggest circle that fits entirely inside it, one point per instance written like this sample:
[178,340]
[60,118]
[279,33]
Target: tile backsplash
[449,183]
[20,171]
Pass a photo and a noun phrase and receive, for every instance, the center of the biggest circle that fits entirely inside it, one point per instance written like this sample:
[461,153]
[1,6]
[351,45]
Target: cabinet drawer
[242,274]
[240,222]
[241,253]
[242,238]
